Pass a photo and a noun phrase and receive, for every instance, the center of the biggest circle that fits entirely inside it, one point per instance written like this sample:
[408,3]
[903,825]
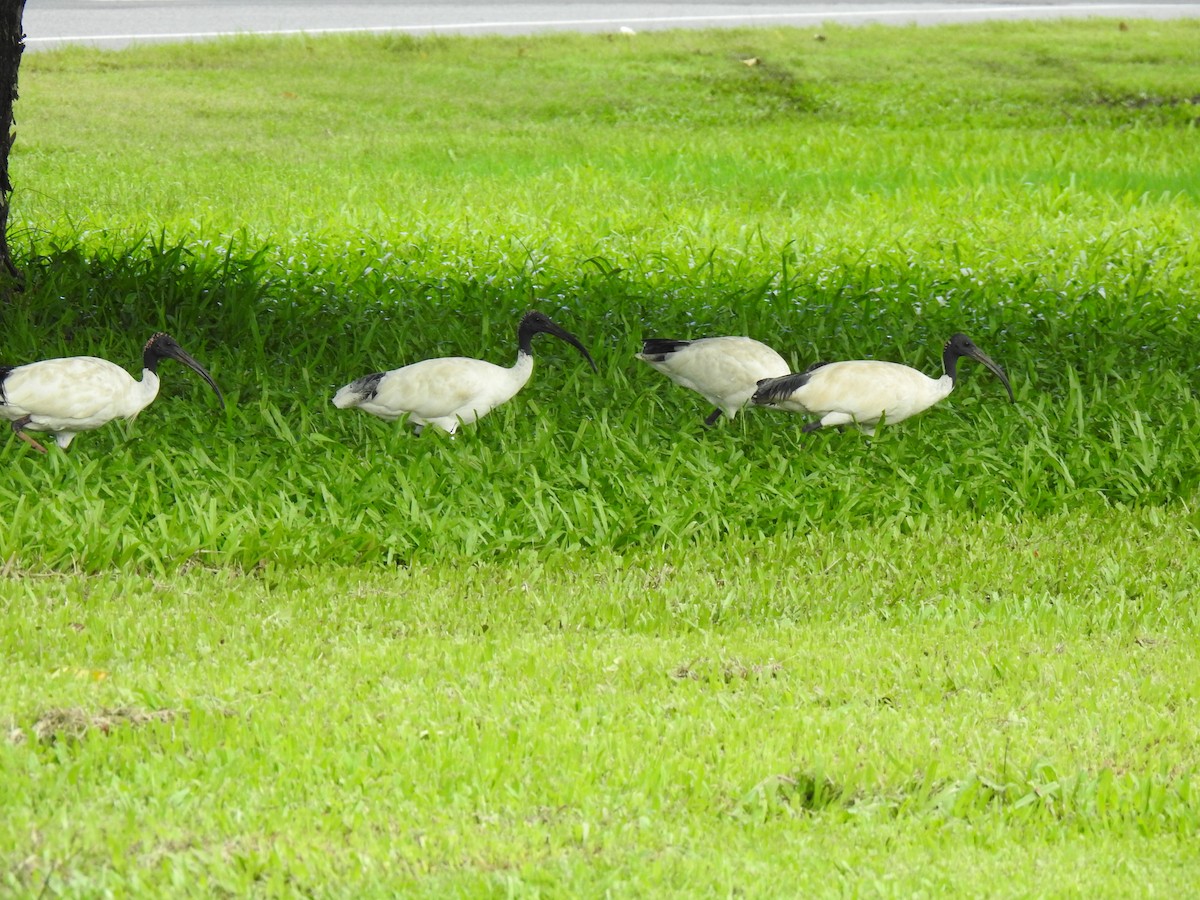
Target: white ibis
[867,391]
[79,393]
[725,370]
[451,390]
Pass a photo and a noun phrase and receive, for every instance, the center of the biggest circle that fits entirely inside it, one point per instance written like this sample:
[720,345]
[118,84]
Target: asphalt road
[117,23]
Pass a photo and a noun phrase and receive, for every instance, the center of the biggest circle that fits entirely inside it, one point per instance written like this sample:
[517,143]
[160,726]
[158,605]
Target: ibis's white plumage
[724,370]
[73,394]
[442,392]
[79,393]
[447,391]
[865,392]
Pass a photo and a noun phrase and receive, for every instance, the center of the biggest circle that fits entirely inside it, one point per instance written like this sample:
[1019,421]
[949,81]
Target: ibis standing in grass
[724,370]
[79,393]
[865,392]
[451,390]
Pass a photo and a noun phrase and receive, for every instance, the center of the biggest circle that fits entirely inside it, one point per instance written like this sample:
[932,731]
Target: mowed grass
[862,712]
[629,149]
[588,646]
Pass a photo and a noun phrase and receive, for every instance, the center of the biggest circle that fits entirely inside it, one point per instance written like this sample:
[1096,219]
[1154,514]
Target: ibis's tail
[4,372]
[772,390]
[658,349]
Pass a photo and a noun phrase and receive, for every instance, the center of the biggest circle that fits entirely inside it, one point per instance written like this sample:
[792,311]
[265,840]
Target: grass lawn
[587,646]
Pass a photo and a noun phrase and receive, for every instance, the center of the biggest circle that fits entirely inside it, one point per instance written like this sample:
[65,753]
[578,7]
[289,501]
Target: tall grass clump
[577,460]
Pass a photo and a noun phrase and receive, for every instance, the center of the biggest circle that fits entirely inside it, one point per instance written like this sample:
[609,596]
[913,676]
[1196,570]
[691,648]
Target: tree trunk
[12,45]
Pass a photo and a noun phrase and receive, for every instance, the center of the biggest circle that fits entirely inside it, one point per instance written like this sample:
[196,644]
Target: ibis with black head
[724,370]
[80,393]
[448,391]
[865,392]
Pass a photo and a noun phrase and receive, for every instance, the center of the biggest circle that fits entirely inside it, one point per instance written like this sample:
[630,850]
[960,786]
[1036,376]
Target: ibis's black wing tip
[771,390]
[660,347]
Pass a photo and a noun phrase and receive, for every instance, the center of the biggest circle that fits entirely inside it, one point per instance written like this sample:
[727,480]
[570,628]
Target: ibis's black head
[960,345]
[163,346]
[539,323]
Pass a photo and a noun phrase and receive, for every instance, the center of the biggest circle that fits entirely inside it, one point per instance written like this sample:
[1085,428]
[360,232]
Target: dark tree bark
[12,45]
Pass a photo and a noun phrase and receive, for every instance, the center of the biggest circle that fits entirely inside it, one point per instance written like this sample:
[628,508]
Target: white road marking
[826,14]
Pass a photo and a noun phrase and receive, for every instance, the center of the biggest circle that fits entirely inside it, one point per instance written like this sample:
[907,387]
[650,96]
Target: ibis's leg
[20,424]
[417,429]
[811,426]
[712,418]
[31,442]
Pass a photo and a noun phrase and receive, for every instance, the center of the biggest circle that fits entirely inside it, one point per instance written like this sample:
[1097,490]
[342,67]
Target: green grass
[479,150]
[587,646]
[927,711]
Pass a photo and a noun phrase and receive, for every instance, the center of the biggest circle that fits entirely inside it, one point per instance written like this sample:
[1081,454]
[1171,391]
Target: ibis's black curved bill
[562,334]
[994,367]
[180,354]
